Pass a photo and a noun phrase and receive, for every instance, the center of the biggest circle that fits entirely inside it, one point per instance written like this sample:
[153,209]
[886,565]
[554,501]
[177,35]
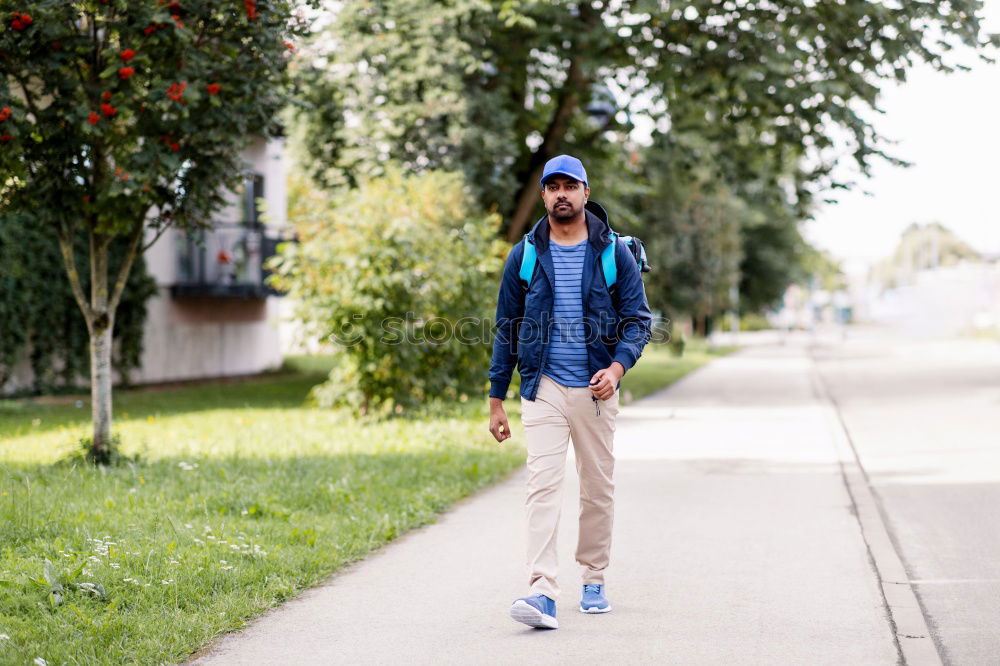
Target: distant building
[948,300]
[934,284]
[214,316]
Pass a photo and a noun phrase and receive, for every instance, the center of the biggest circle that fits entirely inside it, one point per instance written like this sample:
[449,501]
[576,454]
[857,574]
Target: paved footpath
[736,541]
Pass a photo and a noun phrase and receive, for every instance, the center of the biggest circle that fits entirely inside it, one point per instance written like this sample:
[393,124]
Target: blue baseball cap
[565,165]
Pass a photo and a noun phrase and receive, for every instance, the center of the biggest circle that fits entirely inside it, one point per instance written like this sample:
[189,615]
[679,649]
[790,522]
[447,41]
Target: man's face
[564,198]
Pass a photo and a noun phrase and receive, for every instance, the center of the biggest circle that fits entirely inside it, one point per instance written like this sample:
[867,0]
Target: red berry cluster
[176,91]
[250,6]
[174,146]
[4,115]
[19,21]
[213,88]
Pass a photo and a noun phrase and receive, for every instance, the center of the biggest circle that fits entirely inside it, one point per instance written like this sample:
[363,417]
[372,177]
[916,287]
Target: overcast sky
[949,126]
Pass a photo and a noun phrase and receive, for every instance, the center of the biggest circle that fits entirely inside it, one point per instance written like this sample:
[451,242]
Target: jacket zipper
[541,363]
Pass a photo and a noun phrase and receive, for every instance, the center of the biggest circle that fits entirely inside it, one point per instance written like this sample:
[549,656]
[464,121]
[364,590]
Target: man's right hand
[499,427]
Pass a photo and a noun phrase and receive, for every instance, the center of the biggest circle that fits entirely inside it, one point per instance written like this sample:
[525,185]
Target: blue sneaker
[535,611]
[593,600]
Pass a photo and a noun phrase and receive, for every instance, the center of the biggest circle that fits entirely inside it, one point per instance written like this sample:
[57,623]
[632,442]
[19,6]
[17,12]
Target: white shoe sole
[594,609]
[531,616]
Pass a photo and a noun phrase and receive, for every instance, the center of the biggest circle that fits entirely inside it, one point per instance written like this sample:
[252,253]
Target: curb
[911,634]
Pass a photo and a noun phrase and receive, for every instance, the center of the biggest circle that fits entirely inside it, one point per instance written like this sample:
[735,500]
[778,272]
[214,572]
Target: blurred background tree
[749,106]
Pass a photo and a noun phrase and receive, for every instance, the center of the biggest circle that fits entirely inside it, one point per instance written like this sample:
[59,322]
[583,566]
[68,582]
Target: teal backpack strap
[608,261]
[528,261]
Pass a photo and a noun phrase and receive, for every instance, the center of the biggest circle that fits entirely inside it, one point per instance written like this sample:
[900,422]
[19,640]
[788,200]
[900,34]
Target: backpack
[608,263]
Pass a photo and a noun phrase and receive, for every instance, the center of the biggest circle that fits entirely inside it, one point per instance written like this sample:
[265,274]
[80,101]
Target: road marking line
[911,634]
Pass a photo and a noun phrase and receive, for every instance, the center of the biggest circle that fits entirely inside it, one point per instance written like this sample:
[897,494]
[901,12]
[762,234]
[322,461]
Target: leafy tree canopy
[499,87]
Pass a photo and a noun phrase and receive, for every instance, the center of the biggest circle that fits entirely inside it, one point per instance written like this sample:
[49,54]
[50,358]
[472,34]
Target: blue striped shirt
[566,359]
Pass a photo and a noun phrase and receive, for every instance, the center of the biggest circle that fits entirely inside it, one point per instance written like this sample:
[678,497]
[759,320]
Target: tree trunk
[573,90]
[100,348]
[579,77]
[99,314]
[100,393]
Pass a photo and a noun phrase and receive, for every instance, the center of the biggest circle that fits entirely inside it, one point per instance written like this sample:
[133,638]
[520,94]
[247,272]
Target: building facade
[213,315]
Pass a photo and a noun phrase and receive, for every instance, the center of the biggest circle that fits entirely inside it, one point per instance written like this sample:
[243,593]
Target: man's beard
[567,212]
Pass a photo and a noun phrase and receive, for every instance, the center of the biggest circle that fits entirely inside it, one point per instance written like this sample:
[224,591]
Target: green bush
[754,321]
[400,276]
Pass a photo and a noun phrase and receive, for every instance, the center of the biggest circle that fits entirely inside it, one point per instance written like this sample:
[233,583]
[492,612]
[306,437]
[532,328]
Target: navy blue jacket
[617,325]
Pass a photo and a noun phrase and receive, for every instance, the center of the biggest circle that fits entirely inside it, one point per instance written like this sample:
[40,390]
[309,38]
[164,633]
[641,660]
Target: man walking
[572,337]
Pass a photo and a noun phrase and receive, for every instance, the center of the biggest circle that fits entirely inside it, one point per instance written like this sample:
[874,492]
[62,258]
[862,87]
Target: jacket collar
[598,229]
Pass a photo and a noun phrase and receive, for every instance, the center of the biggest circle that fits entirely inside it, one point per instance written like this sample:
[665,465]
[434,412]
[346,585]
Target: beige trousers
[557,414]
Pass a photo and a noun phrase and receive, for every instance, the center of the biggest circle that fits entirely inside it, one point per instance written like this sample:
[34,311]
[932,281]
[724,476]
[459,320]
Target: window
[253,189]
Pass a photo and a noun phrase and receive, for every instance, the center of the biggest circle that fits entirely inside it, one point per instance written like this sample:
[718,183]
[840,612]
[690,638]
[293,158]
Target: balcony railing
[225,262]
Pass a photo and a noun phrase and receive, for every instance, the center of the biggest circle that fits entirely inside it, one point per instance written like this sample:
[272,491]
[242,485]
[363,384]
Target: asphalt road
[924,418]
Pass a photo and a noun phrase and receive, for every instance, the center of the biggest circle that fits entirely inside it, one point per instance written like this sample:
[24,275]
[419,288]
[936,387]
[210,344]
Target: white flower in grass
[40,662]
[199,541]
[189,526]
[169,581]
[186,466]
[100,547]
[115,565]
[4,637]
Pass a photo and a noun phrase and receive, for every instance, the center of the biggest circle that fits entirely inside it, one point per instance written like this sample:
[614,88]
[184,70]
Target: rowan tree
[120,119]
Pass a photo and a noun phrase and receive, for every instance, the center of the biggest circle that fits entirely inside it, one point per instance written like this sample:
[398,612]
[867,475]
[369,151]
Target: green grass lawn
[243,496]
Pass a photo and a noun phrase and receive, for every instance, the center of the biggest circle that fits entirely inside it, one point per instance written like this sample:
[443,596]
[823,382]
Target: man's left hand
[603,383]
